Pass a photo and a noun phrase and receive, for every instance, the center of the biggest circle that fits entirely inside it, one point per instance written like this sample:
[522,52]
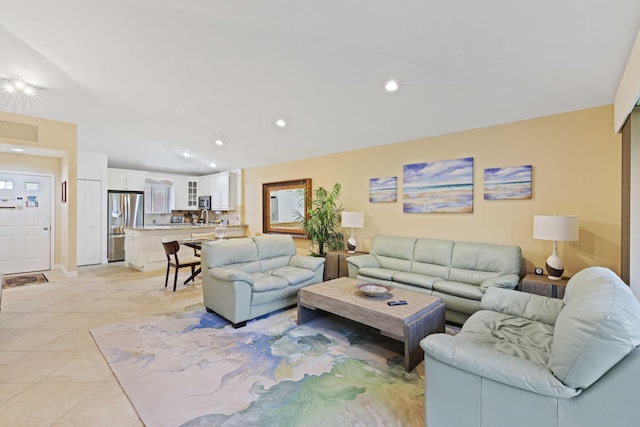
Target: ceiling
[147,79]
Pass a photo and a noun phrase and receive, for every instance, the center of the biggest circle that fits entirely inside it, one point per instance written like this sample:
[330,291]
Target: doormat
[23,279]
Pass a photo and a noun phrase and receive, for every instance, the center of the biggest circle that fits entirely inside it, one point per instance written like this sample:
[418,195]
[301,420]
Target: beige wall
[576,170]
[59,140]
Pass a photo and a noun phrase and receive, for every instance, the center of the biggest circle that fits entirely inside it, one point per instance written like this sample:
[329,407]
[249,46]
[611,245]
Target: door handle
[45,228]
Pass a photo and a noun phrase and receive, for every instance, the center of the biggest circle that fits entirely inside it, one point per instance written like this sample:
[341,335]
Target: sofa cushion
[415,279]
[432,257]
[293,275]
[267,282]
[274,251]
[458,289]
[236,254]
[476,262]
[508,334]
[598,326]
[393,253]
[377,273]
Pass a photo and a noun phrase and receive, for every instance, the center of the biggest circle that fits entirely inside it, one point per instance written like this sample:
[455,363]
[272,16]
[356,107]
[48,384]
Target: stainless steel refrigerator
[125,209]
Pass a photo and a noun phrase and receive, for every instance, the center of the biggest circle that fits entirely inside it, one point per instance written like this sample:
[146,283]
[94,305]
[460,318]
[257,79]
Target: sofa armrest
[494,365]
[356,262]
[508,281]
[362,261]
[229,275]
[516,303]
[312,263]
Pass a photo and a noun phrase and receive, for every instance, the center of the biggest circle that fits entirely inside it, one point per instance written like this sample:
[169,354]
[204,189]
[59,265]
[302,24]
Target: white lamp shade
[562,228]
[352,219]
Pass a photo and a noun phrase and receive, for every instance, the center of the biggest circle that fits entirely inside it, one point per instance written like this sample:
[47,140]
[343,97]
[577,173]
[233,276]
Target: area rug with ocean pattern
[191,368]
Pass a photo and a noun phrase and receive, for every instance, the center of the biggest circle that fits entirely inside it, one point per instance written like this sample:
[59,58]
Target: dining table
[196,244]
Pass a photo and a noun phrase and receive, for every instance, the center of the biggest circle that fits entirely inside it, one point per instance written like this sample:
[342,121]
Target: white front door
[25,223]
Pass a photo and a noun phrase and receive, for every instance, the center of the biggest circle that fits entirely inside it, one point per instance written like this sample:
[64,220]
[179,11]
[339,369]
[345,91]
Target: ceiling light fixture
[186,154]
[281,123]
[18,87]
[219,142]
[391,86]
[213,165]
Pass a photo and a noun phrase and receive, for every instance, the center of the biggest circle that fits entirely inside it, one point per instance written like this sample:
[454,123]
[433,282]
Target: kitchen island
[143,248]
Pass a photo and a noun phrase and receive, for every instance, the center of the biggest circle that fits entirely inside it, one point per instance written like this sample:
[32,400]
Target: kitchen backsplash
[228,217]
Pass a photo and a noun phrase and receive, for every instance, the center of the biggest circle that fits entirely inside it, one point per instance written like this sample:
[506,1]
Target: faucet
[206,215]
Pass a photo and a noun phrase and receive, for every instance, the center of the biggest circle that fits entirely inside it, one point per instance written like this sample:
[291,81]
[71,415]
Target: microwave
[204,202]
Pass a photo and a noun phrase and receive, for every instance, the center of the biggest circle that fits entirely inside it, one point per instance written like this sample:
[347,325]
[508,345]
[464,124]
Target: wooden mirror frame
[267,188]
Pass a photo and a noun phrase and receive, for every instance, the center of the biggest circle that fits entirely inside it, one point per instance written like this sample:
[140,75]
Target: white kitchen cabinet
[134,181]
[125,180]
[204,185]
[185,193]
[89,219]
[222,189]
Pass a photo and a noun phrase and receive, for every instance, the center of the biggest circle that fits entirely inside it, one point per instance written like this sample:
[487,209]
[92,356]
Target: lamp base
[351,245]
[555,266]
[554,273]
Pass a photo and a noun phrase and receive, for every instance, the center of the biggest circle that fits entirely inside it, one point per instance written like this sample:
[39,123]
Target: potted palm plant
[323,221]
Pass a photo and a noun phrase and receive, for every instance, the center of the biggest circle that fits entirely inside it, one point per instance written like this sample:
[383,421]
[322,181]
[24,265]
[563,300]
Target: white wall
[94,166]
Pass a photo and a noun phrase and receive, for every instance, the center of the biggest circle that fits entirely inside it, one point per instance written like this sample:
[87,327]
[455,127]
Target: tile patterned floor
[51,372]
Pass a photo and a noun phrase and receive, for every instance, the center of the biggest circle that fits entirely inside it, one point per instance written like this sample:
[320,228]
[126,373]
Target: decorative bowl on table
[373,289]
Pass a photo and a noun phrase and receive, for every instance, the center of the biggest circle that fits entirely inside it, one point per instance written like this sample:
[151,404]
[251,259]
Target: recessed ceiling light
[219,142]
[281,123]
[17,150]
[213,165]
[391,86]
[18,87]
[186,154]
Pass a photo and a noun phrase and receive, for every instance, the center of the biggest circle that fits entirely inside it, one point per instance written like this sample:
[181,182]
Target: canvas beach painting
[507,183]
[383,189]
[444,186]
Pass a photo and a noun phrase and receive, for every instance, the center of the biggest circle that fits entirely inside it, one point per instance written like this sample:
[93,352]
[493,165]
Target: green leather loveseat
[530,361]
[249,277]
[457,272]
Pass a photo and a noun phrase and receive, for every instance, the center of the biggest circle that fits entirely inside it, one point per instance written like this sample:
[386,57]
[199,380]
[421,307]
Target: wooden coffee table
[423,315]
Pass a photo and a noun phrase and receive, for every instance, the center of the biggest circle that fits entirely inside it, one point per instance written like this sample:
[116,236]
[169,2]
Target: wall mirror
[283,204]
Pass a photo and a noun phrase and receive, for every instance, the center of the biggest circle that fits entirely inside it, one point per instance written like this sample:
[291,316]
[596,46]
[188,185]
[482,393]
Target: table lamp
[352,220]
[557,228]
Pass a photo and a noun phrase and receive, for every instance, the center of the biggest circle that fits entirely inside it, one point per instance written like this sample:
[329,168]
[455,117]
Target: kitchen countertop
[187,226]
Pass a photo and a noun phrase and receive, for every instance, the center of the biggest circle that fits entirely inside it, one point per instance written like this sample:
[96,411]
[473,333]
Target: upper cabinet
[185,191]
[222,187]
[125,180]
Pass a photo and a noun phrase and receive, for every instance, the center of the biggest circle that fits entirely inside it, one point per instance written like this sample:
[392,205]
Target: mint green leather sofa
[249,277]
[457,272]
[530,361]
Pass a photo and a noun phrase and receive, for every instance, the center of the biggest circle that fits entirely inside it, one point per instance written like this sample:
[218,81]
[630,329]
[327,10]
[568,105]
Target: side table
[336,264]
[542,285]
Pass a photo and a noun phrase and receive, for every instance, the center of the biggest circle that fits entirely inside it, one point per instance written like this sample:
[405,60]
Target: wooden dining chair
[171,249]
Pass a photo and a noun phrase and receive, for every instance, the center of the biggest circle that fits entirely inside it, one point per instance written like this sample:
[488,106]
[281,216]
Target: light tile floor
[51,371]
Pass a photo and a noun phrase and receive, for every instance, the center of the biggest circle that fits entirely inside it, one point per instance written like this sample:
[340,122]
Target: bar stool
[171,249]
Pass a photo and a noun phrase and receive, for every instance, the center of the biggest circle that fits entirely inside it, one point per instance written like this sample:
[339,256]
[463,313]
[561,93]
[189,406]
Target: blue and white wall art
[507,183]
[383,189]
[444,186]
